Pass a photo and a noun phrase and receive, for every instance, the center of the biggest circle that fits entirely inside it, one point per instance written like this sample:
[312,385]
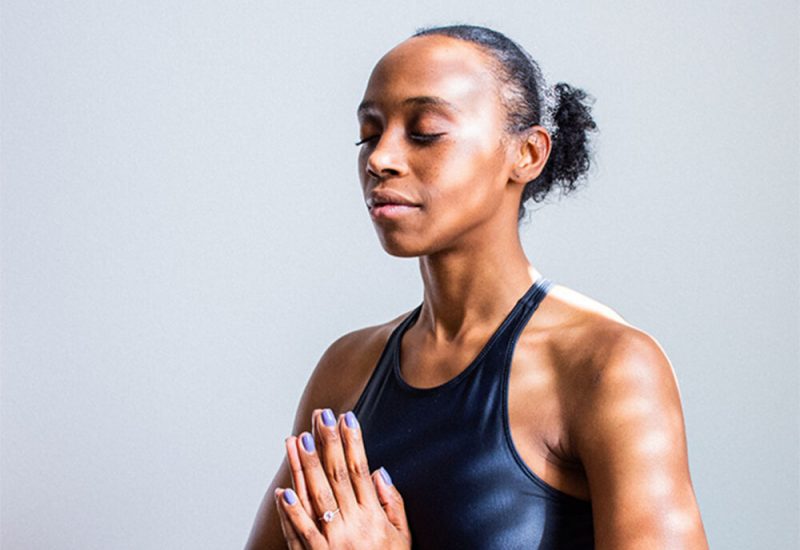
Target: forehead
[438,66]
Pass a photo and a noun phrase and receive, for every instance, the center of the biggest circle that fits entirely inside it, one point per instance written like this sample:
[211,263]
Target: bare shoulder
[625,425]
[343,370]
[595,344]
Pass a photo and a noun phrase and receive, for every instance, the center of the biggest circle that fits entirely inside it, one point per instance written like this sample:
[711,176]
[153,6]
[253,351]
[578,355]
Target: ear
[532,154]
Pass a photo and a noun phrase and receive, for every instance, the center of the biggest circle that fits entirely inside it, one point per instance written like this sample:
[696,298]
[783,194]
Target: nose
[387,158]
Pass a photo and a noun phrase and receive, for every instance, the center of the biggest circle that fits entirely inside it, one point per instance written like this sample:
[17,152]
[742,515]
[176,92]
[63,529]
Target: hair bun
[570,121]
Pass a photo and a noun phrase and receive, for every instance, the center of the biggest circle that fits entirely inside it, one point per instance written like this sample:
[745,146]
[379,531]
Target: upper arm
[632,443]
[335,379]
[332,381]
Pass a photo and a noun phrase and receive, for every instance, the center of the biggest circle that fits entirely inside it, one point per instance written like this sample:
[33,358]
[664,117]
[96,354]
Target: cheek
[469,177]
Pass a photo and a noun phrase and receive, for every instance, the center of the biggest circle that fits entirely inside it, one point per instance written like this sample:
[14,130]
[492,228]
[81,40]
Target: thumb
[391,501]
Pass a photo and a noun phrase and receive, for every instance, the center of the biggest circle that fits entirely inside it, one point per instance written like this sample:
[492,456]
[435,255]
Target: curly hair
[564,111]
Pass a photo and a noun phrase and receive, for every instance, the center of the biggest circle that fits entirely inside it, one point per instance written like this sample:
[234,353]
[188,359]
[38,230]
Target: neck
[473,285]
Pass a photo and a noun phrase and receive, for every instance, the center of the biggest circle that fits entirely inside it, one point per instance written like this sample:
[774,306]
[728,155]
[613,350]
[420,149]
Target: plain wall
[183,234]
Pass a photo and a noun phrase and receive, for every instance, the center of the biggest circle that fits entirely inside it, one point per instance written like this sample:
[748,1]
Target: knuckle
[359,469]
[328,436]
[338,473]
[341,474]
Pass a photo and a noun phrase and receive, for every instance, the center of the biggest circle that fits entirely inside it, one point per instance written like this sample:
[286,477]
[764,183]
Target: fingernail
[327,418]
[385,475]
[350,420]
[289,496]
[308,442]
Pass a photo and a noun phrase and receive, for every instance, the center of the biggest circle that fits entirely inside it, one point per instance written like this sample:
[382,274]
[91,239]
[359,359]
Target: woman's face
[432,128]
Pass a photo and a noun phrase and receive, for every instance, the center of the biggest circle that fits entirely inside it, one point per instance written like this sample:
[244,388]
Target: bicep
[632,444]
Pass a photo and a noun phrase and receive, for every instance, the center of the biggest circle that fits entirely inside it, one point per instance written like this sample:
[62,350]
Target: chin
[400,248]
[402,252]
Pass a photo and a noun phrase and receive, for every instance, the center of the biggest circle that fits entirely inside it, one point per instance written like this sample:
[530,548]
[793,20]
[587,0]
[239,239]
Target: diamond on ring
[327,517]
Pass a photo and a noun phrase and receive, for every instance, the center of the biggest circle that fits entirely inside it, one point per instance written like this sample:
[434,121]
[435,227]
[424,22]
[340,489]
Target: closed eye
[420,138]
[426,138]
[365,140]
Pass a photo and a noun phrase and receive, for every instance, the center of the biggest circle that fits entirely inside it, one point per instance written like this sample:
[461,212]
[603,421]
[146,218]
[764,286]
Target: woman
[511,412]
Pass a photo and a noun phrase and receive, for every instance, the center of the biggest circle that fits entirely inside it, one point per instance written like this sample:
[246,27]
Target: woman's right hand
[330,471]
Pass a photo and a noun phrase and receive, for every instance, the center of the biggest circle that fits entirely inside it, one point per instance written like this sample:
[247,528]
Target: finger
[298,477]
[356,458]
[333,461]
[391,501]
[319,490]
[282,498]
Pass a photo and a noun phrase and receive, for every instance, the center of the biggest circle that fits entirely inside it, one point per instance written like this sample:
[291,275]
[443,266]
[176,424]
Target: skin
[607,425]
[336,477]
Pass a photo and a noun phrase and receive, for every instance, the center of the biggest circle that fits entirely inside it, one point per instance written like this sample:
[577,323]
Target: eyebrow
[419,101]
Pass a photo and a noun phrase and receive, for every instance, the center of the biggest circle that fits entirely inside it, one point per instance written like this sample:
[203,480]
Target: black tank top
[450,454]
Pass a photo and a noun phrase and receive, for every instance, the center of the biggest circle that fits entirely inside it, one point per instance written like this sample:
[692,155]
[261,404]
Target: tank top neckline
[476,361]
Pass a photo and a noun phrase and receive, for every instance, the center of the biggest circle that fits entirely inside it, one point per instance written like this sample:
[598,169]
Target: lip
[380,197]
[392,211]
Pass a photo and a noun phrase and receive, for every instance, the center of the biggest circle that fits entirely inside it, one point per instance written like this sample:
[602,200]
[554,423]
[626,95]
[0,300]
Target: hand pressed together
[330,474]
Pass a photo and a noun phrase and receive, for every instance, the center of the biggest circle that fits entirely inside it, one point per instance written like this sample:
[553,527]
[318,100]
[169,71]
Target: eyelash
[421,138]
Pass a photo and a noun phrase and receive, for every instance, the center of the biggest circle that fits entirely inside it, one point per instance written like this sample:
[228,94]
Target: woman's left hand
[331,474]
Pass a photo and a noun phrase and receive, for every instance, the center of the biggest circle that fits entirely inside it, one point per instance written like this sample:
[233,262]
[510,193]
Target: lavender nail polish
[289,496]
[308,442]
[350,420]
[327,418]
[385,475]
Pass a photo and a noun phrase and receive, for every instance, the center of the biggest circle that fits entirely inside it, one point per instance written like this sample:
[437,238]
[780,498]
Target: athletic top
[450,454]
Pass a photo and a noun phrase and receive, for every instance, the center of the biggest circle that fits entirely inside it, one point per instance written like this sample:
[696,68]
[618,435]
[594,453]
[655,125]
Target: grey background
[183,234]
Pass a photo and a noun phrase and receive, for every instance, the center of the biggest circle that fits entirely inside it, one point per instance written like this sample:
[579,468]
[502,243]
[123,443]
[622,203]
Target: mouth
[390,210]
[385,203]
[379,200]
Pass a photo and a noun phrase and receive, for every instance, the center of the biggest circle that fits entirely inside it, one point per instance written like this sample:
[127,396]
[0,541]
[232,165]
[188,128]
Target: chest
[448,449]
[536,394]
